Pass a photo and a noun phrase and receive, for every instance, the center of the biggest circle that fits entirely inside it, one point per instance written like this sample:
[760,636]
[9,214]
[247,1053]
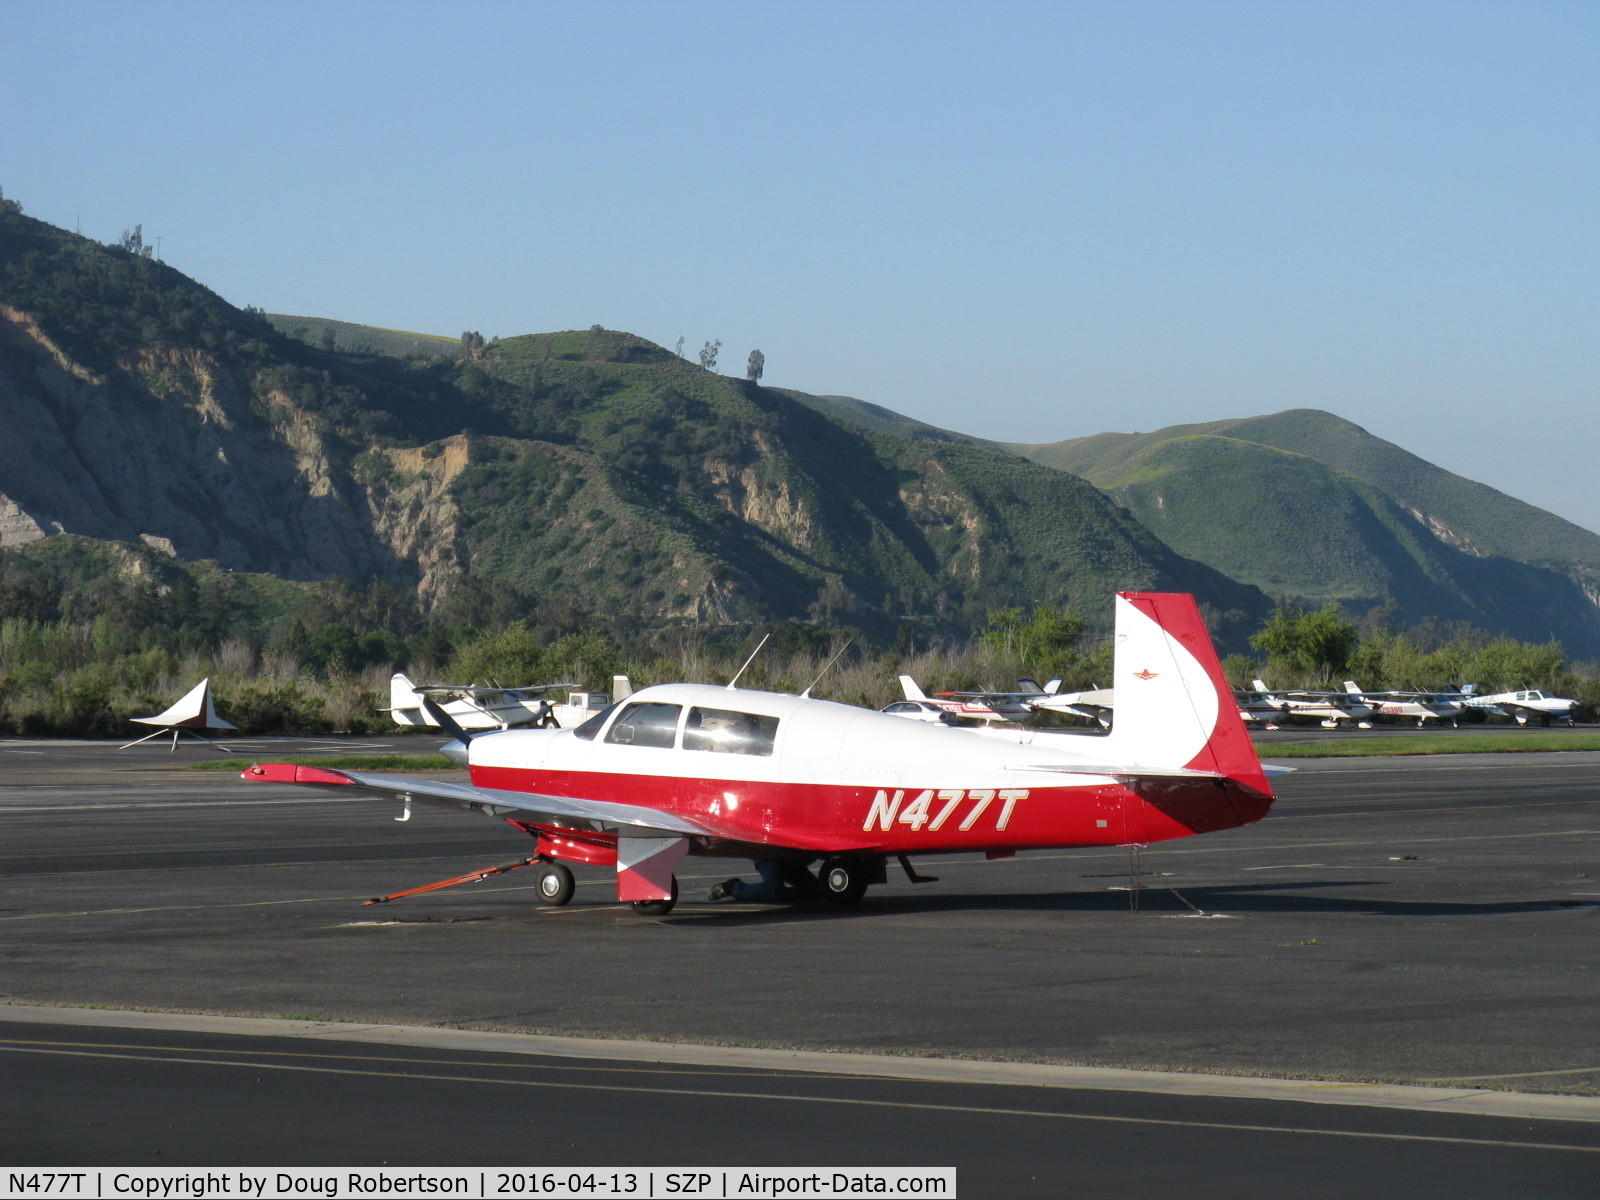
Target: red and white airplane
[978,706]
[700,769]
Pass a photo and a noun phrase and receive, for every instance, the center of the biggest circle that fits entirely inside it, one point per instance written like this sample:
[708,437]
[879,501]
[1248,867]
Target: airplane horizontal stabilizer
[1125,772]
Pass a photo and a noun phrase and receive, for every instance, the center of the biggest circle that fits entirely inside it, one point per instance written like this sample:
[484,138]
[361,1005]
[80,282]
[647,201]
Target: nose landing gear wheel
[656,908]
[554,884]
[844,880]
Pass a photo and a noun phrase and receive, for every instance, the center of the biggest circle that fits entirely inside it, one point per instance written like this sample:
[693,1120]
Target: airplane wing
[599,816]
[462,689]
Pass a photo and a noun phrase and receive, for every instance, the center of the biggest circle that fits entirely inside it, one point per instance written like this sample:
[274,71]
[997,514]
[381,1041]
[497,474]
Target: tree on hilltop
[708,354]
[756,366]
[132,240]
[472,345]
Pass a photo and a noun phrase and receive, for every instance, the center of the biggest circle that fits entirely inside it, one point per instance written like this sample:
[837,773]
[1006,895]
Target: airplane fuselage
[842,779]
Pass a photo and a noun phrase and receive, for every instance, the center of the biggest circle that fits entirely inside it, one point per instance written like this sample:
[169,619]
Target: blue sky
[1025,221]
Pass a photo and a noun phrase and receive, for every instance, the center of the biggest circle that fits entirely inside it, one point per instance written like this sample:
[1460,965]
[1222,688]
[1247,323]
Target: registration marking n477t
[933,809]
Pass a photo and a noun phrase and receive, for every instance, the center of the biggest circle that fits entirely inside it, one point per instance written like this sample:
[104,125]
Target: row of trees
[327,665]
[1319,648]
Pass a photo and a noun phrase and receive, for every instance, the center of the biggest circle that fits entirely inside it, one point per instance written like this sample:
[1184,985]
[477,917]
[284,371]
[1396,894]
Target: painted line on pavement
[1461,1100]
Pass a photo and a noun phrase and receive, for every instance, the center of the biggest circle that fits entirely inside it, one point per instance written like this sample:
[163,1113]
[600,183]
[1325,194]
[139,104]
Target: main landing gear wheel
[656,908]
[844,880]
[554,884]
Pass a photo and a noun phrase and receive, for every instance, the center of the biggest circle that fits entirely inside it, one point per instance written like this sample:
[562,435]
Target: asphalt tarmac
[206,1099]
[1425,921]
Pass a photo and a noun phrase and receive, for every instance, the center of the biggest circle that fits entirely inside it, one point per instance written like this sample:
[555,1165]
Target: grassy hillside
[1306,504]
[876,419]
[1471,515]
[364,339]
[585,468]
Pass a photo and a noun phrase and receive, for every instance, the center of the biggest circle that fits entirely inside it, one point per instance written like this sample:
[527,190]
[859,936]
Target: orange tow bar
[469,877]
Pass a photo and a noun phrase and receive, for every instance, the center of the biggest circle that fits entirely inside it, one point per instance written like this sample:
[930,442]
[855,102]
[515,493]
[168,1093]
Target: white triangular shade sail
[194,711]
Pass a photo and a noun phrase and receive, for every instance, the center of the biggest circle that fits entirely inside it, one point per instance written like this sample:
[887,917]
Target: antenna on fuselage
[747,662]
[806,695]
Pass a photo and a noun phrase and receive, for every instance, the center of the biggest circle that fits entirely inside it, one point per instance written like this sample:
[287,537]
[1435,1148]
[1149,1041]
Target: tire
[656,908]
[844,880]
[554,884]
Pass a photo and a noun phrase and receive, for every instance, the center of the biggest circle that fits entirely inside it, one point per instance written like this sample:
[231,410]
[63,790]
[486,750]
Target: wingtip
[290,773]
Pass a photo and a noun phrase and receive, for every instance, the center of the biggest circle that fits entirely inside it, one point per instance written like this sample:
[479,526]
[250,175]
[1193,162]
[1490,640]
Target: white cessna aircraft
[1028,699]
[477,708]
[1424,706]
[1262,706]
[1095,704]
[1528,705]
[1332,709]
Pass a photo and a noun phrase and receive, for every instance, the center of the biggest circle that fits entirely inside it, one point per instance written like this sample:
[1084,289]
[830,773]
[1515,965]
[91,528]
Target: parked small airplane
[1424,706]
[1099,705]
[1524,707]
[476,708]
[1095,704]
[980,706]
[1332,709]
[194,711]
[733,773]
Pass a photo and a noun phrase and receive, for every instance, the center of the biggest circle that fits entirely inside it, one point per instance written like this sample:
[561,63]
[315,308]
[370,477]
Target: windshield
[591,727]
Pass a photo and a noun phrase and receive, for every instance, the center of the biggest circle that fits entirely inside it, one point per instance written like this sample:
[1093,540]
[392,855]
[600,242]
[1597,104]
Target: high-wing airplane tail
[1174,706]
[1352,687]
[909,686]
[405,703]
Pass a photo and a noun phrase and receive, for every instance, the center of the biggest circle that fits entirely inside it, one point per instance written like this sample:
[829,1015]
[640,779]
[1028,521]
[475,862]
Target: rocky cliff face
[187,462]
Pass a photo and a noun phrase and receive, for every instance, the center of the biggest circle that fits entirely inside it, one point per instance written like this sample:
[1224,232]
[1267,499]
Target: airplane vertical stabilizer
[405,705]
[909,686]
[1174,706]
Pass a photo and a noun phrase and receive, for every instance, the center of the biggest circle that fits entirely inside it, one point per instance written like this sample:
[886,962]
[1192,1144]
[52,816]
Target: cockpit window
[646,724]
[729,732]
[591,727]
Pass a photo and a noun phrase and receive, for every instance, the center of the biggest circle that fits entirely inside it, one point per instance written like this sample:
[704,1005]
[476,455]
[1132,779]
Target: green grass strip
[1439,743]
[347,762]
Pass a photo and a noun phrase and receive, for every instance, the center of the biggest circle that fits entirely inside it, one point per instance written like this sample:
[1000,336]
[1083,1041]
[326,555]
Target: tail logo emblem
[1146,674]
